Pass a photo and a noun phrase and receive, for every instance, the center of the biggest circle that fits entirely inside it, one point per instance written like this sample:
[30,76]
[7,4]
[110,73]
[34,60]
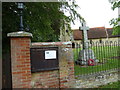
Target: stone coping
[51,43]
[19,34]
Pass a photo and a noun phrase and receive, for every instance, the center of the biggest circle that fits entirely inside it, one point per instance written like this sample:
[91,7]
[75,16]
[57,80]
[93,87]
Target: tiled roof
[77,34]
[94,33]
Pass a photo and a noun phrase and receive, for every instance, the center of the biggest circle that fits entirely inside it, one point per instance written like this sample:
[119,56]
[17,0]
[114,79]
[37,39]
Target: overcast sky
[97,13]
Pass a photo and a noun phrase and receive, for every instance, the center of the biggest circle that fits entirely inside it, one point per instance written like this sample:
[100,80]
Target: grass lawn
[106,56]
[91,69]
[112,85]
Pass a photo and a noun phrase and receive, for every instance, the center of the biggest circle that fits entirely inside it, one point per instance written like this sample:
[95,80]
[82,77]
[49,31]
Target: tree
[115,21]
[45,19]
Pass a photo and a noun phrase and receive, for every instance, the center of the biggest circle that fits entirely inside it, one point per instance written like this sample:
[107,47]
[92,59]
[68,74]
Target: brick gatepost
[66,66]
[20,59]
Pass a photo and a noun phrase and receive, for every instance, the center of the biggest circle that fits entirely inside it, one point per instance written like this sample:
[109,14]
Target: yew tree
[43,19]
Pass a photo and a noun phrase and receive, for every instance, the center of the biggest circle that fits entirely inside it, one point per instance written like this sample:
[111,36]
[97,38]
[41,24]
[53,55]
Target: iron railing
[106,54]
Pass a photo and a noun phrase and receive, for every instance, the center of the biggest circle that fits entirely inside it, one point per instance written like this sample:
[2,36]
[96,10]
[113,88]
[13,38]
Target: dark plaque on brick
[44,58]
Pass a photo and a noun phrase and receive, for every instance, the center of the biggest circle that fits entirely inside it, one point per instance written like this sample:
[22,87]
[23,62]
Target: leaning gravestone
[86,54]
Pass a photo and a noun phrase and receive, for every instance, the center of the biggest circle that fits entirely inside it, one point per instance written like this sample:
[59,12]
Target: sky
[97,13]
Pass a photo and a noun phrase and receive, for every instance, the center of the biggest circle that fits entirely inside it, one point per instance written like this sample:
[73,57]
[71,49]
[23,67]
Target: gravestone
[85,54]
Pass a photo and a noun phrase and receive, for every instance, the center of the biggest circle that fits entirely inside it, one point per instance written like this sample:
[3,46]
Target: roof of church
[94,33]
[77,35]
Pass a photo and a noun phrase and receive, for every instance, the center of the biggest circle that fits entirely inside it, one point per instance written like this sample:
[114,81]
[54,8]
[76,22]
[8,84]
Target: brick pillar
[20,59]
[66,66]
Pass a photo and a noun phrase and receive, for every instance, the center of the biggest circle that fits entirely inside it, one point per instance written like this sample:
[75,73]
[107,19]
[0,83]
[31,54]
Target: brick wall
[64,76]
[45,79]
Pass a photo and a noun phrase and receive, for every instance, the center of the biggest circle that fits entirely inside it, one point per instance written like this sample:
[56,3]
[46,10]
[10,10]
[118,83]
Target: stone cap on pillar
[19,34]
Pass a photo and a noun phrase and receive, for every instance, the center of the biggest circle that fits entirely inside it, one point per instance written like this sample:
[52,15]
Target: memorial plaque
[44,58]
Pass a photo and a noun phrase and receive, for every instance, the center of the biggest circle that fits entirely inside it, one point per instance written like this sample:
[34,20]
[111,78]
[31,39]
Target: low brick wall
[94,81]
[61,78]
[45,79]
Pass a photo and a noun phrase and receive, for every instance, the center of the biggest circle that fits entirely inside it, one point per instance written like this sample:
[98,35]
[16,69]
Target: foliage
[115,4]
[116,26]
[115,21]
[44,19]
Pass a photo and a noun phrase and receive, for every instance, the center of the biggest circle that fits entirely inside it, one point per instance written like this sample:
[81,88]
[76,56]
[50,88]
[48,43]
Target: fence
[106,56]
